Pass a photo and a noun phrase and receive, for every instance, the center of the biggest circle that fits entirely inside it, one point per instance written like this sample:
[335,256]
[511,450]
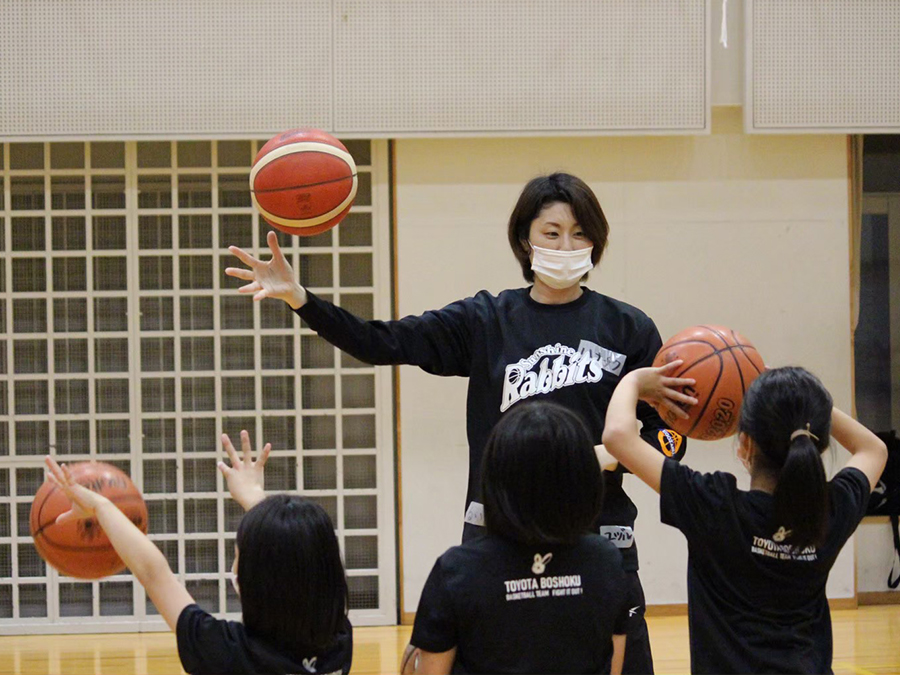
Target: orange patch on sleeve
[669,442]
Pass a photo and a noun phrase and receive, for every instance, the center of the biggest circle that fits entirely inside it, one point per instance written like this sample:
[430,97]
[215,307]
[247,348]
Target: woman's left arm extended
[620,435]
[139,554]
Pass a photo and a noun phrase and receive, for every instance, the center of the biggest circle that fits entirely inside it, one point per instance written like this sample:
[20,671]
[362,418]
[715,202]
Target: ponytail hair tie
[804,432]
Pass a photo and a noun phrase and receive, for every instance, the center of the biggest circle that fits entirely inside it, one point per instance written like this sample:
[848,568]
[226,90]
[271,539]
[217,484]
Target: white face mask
[561,269]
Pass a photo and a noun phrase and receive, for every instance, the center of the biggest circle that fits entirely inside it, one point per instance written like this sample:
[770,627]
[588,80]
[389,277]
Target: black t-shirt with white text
[513,348]
[207,645]
[755,605]
[512,608]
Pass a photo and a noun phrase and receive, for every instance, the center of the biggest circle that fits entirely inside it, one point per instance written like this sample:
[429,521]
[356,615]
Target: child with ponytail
[758,559]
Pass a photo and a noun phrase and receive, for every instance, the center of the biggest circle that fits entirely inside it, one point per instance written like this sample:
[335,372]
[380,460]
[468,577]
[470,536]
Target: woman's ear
[745,451]
[526,246]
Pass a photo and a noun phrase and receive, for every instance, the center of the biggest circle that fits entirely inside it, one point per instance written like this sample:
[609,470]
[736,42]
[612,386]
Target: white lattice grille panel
[823,65]
[431,66]
[167,67]
[122,340]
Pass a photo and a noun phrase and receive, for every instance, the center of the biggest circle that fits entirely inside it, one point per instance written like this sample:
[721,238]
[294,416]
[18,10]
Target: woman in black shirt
[553,340]
[758,559]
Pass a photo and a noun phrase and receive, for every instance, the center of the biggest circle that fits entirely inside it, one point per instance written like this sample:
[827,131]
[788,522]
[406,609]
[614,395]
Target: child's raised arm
[620,435]
[139,554]
[245,477]
[869,452]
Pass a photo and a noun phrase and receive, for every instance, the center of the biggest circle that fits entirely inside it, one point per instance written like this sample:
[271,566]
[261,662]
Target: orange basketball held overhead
[80,548]
[303,182]
[723,363]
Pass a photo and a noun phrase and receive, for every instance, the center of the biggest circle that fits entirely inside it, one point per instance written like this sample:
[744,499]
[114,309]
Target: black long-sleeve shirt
[512,348]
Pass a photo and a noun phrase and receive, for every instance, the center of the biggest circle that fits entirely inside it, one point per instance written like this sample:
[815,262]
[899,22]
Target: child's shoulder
[678,473]
[491,548]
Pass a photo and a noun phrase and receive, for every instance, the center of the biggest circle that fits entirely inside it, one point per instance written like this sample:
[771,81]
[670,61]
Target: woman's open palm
[273,278]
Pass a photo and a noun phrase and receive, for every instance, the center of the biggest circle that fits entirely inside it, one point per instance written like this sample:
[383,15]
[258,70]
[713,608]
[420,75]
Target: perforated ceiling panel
[823,66]
[167,67]
[430,67]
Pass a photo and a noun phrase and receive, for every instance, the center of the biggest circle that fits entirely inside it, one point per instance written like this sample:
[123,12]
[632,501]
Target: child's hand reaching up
[84,502]
[244,477]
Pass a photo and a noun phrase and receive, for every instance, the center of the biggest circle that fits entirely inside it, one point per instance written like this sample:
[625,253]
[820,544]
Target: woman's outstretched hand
[658,388]
[273,278]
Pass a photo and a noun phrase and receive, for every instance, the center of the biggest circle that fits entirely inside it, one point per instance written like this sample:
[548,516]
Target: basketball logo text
[723,419]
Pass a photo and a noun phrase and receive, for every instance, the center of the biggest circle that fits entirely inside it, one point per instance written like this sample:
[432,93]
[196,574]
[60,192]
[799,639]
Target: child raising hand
[288,574]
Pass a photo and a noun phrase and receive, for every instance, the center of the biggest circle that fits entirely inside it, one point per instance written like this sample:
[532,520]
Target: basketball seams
[669,345]
[731,353]
[305,185]
[702,359]
[300,147]
[40,530]
[68,548]
[711,391]
[747,356]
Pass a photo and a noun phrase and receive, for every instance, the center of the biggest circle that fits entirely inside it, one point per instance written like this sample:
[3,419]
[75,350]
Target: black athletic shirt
[512,608]
[512,348]
[207,645]
[754,605]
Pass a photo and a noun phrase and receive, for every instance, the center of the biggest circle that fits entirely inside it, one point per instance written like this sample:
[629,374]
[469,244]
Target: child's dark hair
[543,191]
[541,481]
[292,582]
[778,403]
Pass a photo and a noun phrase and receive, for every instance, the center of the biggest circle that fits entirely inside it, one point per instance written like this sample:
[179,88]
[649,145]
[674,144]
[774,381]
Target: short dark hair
[541,481]
[550,189]
[292,581]
[778,403]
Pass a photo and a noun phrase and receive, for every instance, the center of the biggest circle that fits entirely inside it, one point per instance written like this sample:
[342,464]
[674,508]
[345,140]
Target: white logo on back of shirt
[540,563]
[540,587]
[310,664]
[633,610]
[553,367]
[781,534]
[771,549]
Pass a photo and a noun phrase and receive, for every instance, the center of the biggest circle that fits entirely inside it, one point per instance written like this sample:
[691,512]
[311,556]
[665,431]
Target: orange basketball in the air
[723,363]
[80,548]
[303,181]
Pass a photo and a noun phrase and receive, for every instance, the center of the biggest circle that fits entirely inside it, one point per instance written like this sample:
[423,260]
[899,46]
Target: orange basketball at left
[80,548]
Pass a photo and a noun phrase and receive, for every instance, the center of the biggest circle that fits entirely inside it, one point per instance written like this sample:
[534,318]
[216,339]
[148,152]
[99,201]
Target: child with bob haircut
[538,593]
[758,559]
[288,574]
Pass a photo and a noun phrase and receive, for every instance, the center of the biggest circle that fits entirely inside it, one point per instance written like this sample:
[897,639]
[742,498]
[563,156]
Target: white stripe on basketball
[305,146]
[309,222]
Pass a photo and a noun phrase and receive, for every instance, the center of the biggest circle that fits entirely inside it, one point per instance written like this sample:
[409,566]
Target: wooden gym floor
[866,642]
